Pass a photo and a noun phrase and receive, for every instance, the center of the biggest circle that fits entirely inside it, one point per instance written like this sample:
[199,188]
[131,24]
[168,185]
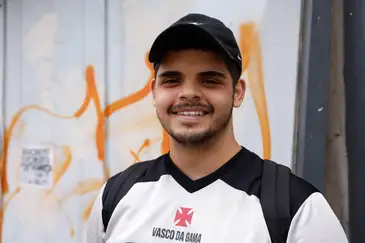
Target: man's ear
[152,86]
[239,92]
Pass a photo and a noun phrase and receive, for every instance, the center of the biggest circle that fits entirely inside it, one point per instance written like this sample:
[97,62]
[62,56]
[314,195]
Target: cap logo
[194,23]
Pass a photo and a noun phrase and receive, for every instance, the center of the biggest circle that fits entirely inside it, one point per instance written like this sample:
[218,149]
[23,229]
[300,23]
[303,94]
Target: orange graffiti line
[246,36]
[132,98]
[128,100]
[145,144]
[135,156]
[2,211]
[100,133]
[62,168]
[19,130]
[252,58]
[60,205]
[88,209]
[8,135]
[72,229]
[11,197]
[7,138]
[15,120]
[84,187]
[85,104]
[4,207]
[165,145]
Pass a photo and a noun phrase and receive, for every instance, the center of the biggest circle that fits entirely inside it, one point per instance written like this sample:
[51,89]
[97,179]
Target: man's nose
[190,91]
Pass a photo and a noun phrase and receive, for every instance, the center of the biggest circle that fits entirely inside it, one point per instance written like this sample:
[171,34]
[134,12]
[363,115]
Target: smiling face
[194,96]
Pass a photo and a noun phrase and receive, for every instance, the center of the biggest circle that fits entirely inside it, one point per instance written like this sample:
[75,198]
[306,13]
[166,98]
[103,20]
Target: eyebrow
[169,74]
[212,74]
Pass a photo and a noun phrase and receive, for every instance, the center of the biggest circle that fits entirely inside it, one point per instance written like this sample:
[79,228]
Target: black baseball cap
[197,30]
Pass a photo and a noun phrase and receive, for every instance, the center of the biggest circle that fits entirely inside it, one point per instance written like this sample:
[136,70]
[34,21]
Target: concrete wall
[77,107]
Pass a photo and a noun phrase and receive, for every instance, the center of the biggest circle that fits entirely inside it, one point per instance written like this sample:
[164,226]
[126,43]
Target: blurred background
[76,105]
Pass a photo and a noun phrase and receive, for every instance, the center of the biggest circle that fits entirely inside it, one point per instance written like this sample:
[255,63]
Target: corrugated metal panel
[77,97]
[50,47]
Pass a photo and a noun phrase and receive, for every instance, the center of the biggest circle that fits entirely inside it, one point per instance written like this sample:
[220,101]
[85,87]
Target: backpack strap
[116,188]
[275,200]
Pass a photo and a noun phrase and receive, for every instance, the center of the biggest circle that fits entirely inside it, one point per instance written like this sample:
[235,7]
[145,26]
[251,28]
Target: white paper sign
[36,167]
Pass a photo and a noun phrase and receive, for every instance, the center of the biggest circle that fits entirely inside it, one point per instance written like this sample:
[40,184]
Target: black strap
[114,190]
[275,200]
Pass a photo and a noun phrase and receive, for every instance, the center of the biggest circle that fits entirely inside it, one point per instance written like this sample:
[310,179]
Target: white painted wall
[49,45]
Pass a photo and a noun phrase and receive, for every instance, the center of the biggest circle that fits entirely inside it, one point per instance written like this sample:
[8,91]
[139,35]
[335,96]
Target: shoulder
[315,221]
[150,170]
[311,217]
[299,190]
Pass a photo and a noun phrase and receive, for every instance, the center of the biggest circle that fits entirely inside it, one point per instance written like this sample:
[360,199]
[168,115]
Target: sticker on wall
[36,167]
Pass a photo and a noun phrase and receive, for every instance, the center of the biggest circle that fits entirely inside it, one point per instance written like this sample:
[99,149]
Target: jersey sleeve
[95,228]
[315,222]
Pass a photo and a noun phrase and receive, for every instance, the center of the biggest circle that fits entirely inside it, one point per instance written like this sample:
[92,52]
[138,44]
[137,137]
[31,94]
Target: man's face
[194,95]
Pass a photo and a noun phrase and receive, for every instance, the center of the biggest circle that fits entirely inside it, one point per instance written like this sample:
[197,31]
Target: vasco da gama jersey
[159,203]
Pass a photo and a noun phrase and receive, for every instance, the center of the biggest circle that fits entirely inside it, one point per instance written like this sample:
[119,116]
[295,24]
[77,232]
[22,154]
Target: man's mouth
[190,113]
[191,110]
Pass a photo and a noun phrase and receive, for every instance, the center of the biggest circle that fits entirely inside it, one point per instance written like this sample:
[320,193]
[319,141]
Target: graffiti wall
[77,105]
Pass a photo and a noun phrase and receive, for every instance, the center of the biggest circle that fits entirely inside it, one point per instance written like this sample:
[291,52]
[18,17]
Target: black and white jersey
[159,203]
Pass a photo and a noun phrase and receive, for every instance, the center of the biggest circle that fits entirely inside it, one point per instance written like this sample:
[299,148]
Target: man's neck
[199,161]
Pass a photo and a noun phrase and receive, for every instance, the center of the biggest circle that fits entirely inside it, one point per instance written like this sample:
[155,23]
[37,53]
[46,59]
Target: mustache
[208,108]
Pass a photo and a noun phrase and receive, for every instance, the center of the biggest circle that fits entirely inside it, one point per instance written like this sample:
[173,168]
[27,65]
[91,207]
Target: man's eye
[170,81]
[210,81]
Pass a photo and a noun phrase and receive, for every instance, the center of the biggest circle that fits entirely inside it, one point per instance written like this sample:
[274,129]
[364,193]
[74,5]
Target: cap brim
[183,36]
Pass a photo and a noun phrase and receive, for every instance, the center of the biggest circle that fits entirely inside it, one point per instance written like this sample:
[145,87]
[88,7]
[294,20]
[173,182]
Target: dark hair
[201,42]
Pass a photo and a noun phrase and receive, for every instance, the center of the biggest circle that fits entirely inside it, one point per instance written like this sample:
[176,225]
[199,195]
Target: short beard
[199,139]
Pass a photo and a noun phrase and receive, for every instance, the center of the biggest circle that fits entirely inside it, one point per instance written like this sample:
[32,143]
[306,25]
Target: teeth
[191,113]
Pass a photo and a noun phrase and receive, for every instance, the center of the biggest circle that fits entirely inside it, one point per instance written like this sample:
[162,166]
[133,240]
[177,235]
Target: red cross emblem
[183,217]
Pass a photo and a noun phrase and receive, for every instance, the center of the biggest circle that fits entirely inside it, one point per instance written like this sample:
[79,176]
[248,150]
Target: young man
[208,188]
